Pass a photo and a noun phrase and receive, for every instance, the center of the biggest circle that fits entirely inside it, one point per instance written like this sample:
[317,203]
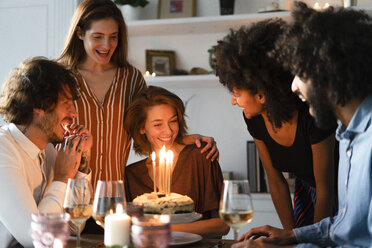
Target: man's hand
[74,153]
[79,130]
[68,159]
[269,234]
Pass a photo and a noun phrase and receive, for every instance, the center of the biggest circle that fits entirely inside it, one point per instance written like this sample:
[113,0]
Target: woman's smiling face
[101,40]
[161,126]
[251,105]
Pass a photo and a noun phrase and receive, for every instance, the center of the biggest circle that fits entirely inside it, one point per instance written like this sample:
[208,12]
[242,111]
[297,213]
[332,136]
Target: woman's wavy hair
[36,83]
[86,13]
[137,114]
[332,49]
[244,61]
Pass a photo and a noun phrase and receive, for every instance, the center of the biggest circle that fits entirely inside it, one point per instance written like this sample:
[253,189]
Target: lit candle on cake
[169,162]
[117,228]
[153,156]
[162,170]
[316,5]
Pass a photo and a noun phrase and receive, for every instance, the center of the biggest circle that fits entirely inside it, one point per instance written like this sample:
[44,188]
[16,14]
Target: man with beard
[331,54]
[37,104]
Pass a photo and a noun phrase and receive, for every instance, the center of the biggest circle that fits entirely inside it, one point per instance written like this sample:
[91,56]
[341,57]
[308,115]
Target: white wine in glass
[108,195]
[78,202]
[236,208]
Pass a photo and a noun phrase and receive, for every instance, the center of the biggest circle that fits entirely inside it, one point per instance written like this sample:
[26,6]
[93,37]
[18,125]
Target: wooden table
[95,241]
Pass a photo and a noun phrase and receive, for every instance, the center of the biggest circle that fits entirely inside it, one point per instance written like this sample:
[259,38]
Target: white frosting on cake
[168,204]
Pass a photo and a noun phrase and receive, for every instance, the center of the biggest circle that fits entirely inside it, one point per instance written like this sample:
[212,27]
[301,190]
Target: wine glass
[236,207]
[108,195]
[78,202]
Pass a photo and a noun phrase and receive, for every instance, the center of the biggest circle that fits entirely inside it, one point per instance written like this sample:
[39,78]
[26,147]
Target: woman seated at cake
[156,118]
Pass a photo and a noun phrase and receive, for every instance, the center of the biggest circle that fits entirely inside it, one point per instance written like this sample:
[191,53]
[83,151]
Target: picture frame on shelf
[162,62]
[176,8]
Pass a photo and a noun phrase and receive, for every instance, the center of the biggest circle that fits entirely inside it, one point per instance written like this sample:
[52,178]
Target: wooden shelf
[198,25]
[188,81]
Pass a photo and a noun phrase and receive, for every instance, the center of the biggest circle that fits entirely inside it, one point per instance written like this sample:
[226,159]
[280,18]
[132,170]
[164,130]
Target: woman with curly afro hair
[285,134]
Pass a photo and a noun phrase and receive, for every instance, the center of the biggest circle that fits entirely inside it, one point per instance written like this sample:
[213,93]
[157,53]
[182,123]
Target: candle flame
[316,5]
[169,156]
[119,209]
[57,243]
[162,153]
[326,6]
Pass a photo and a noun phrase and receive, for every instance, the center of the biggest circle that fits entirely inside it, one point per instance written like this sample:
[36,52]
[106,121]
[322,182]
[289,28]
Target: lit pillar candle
[57,243]
[117,228]
[154,169]
[169,161]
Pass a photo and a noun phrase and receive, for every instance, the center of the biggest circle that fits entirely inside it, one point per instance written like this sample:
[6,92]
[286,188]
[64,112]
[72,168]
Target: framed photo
[176,8]
[160,61]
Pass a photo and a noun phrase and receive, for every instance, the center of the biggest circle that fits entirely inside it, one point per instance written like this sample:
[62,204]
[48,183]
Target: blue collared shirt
[352,227]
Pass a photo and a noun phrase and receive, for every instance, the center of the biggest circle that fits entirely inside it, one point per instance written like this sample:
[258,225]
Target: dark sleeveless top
[298,157]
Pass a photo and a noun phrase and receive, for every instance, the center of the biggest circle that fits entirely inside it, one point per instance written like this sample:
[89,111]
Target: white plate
[184,238]
[183,218]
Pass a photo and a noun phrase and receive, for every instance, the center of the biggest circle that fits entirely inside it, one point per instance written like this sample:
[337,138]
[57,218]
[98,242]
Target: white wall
[31,28]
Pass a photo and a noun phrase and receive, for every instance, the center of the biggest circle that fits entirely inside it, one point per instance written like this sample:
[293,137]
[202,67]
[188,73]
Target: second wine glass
[108,195]
[78,202]
[236,208]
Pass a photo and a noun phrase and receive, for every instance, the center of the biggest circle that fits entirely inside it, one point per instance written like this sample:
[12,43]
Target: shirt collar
[30,148]
[360,121]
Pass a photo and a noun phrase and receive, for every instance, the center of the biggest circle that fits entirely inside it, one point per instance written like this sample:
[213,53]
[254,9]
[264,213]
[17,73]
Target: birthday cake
[173,203]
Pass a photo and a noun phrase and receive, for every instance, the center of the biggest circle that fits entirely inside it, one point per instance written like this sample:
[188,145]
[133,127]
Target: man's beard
[323,112]
[47,125]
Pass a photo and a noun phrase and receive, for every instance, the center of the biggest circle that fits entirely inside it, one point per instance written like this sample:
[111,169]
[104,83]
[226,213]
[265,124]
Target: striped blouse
[111,143]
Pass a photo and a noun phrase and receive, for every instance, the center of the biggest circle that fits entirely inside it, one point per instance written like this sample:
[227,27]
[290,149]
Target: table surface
[96,241]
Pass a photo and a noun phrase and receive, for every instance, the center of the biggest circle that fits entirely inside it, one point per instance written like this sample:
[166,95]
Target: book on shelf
[256,174]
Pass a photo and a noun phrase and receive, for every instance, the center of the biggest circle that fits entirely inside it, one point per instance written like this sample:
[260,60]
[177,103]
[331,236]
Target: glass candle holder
[50,230]
[151,231]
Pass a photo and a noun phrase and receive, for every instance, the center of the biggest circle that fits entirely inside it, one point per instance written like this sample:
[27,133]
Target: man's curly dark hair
[36,83]
[244,61]
[330,48]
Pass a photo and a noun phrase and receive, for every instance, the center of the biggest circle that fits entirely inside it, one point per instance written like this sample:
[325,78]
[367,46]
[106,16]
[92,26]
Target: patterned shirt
[105,120]
[352,227]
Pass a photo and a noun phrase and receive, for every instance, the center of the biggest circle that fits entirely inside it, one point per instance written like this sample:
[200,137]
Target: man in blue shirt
[330,52]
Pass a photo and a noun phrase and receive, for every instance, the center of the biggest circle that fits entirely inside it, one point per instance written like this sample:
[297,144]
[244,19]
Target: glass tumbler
[151,231]
[48,230]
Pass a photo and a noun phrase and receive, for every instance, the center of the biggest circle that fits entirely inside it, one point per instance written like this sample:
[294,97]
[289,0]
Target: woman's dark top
[298,157]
